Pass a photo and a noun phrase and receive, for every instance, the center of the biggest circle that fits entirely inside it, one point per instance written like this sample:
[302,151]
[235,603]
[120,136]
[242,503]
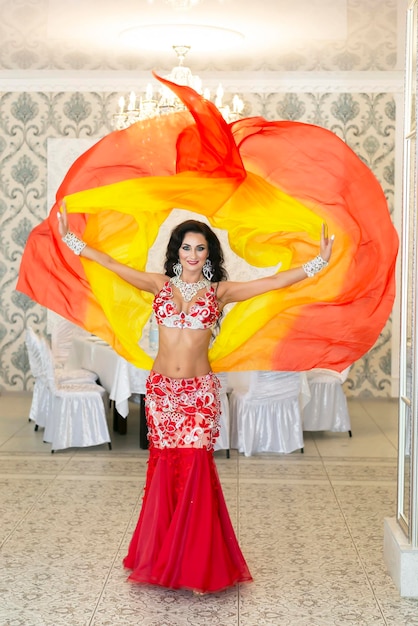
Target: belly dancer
[184,537]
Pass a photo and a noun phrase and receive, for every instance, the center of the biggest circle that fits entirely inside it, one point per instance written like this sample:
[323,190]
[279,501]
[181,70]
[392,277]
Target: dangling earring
[177,269]
[207,269]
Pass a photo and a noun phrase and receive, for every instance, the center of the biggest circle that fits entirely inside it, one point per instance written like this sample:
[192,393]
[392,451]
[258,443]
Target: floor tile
[310,526]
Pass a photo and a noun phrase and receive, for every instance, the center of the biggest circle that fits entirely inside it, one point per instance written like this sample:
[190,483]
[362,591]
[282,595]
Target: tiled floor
[310,526]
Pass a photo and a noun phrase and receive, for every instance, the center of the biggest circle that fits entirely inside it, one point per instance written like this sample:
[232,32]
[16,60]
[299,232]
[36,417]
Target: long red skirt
[184,537]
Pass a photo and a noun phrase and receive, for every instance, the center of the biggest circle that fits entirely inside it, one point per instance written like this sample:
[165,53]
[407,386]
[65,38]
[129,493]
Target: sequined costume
[184,537]
[204,313]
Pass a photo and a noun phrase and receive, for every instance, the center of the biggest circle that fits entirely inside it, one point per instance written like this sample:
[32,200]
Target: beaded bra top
[203,314]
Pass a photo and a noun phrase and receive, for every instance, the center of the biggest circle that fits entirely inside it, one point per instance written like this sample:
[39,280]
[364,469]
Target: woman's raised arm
[146,281]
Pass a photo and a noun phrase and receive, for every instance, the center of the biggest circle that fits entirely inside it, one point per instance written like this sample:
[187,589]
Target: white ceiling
[263,25]
[240,38]
[262,28]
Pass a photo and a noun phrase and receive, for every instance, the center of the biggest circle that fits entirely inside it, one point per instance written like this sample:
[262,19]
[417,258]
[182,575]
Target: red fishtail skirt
[184,536]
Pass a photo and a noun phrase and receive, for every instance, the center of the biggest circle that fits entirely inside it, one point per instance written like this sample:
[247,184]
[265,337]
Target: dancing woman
[184,537]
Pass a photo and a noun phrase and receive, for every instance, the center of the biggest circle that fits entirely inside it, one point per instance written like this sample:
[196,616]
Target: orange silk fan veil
[270,185]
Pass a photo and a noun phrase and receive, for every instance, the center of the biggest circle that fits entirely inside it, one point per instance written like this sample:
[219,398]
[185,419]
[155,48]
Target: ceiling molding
[232,82]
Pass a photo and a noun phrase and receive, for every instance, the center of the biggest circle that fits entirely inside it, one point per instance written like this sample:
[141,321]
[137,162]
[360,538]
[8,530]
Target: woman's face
[193,251]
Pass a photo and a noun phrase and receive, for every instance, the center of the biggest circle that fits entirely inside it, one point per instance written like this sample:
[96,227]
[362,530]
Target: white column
[400,547]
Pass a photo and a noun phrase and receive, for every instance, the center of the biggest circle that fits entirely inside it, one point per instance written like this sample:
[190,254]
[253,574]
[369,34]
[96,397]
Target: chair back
[62,335]
[274,384]
[33,346]
[327,408]
[267,417]
[223,379]
[322,375]
[48,364]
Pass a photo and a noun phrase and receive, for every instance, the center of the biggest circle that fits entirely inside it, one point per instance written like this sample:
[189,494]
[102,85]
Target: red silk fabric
[270,185]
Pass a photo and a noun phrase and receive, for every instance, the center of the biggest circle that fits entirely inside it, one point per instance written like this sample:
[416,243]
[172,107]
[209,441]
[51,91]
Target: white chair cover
[62,335]
[41,395]
[327,408]
[80,375]
[78,417]
[267,417]
[223,441]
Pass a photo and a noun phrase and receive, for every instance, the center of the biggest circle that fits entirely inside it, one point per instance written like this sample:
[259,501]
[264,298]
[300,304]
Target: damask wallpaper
[366,121]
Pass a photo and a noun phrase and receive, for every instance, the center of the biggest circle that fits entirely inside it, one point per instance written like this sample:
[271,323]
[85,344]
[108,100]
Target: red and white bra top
[203,314]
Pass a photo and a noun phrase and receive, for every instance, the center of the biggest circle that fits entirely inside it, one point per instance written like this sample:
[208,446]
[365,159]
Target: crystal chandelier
[152,103]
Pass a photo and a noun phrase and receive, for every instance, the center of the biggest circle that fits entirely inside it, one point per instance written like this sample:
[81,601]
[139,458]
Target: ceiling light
[182,4]
[200,37]
[152,103]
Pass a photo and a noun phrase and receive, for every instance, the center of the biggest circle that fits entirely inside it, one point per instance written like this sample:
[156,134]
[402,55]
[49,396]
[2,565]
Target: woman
[184,537]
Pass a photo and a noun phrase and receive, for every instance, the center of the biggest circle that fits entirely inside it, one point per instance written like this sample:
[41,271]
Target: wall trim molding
[261,82]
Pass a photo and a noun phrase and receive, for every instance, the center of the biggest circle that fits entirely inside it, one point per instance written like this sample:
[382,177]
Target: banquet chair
[223,441]
[327,408]
[41,396]
[267,416]
[77,416]
[62,335]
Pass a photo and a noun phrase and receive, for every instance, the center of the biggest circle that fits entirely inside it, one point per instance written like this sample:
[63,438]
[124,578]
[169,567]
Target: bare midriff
[182,352]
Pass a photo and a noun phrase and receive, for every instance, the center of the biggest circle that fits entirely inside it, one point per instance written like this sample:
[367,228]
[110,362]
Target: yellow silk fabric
[124,221]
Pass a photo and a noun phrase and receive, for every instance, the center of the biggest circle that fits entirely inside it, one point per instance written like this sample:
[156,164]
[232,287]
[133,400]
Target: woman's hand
[325,248]
[63,220]
[71,240]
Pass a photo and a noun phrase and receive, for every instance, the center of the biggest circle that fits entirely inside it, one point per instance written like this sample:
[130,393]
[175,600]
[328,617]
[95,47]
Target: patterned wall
[366,121]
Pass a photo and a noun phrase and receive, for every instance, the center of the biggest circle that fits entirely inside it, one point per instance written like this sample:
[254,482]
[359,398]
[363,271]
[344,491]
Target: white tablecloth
[120,378]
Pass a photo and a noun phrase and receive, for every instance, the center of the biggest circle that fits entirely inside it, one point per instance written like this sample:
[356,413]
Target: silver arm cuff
[74,243]
[313,267]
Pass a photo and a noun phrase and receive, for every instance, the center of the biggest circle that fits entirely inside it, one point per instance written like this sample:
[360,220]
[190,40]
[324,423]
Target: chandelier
[162,102]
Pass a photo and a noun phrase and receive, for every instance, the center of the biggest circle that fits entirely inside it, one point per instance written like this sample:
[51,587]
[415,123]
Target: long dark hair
[214,245]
